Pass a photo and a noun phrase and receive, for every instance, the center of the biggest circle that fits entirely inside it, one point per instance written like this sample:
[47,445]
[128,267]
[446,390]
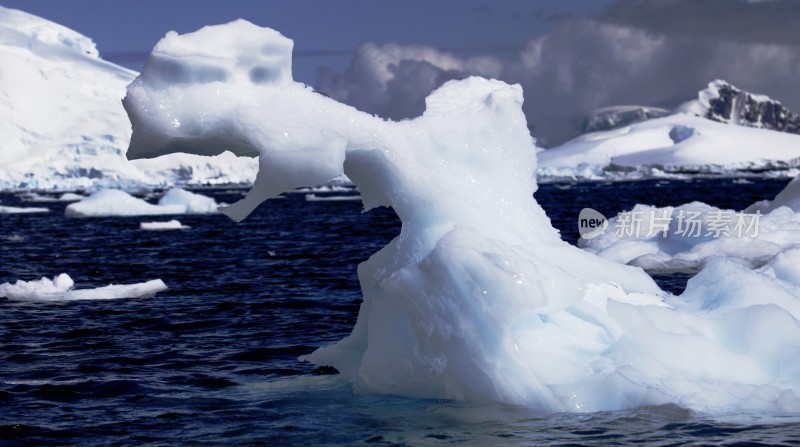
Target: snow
[158,226]
[62,122]
[114,202]
[674,144]
[687,237]
[477,299]
[61,288]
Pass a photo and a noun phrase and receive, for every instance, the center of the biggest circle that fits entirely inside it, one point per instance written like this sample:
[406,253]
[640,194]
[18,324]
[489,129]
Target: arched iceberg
[477,298]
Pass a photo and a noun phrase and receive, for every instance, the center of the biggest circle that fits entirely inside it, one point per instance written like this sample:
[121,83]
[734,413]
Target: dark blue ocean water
[213,360]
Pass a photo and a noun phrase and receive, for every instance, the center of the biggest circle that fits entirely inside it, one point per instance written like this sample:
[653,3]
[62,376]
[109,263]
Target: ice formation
[477,298]
[158,226]
[686,237]
[61,288]
[114,202]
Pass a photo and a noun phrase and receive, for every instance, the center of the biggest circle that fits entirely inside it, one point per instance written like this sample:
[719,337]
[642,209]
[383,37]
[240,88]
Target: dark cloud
[755,21]
[393,80]
[585,64]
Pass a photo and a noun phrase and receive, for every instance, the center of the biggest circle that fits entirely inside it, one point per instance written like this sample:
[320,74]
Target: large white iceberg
[477,298]
[62,288]
[114,202]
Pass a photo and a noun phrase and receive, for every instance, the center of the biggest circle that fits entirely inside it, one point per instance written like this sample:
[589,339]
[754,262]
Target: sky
[570,56]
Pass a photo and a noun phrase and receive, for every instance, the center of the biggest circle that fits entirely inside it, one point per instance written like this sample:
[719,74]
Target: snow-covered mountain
[62,121]
[724,131]
[725,103]
[609,118]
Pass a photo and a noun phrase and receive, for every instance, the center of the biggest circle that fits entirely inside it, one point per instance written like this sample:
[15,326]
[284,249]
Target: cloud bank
[624,56]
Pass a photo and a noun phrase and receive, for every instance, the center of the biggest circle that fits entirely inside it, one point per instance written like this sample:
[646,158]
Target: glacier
[63,124]
[477,299]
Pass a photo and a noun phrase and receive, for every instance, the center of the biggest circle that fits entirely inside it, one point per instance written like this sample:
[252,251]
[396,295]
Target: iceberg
[477,299]
[114,202]
[61,288]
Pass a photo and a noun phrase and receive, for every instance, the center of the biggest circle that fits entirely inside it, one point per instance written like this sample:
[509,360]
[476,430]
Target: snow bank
[679,143]
[61,288]
[477,298]
[113,202]
[157,226]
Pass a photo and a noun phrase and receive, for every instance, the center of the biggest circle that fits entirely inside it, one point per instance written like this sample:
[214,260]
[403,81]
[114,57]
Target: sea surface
[213,360]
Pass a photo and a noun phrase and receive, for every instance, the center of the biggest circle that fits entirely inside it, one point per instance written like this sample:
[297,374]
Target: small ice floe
[25,210]
[113,202]
[333,188]
[61,288]
[339,198]
[158,226]
[41,198]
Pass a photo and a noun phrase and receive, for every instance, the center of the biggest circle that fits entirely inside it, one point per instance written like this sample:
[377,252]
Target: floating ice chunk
[61,288]
[113,202]
[66,197]
[477,298]
[70,197]
[169,225]
[22,210]
[190,202]
[331,198]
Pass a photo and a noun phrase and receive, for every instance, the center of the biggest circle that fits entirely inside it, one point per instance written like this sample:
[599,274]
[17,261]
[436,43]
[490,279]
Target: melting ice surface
[61,288]
[477,299]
